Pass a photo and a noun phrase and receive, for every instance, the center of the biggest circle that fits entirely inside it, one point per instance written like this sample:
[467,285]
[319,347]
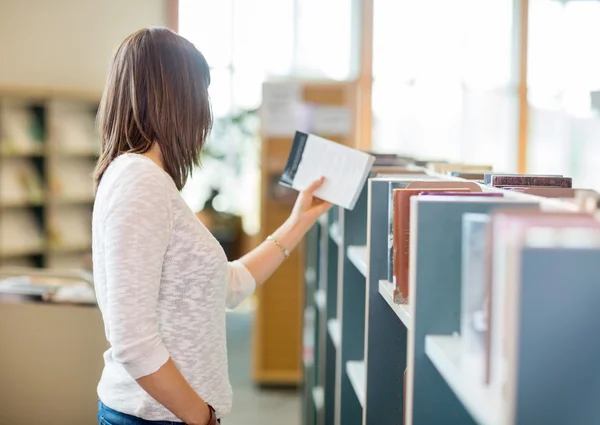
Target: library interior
[460,144]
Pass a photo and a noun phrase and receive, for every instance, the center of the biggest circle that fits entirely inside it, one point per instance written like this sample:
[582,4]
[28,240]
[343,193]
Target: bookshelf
[365,342]
[48,148]
[326,108]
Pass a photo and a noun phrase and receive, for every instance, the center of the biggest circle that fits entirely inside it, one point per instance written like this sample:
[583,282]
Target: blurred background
[510,83]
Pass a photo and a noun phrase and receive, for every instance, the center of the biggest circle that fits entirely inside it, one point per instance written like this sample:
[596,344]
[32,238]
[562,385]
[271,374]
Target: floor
[251,405]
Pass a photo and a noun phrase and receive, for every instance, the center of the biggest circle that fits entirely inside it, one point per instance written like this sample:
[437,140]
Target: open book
[345,169]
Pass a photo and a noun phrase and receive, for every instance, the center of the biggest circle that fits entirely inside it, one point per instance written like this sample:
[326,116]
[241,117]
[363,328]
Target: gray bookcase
[360,343]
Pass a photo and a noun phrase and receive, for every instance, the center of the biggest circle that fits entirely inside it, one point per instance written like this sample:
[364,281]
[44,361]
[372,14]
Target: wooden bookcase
[362,342]
[277,338]
[48,148]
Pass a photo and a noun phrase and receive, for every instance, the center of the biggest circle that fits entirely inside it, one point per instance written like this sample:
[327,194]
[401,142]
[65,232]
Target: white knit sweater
[163,283]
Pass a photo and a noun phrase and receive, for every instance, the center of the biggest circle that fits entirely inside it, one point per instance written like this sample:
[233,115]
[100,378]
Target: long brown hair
[156,92]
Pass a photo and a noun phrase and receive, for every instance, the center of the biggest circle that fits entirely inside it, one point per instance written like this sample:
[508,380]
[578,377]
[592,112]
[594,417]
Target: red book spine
[401,243]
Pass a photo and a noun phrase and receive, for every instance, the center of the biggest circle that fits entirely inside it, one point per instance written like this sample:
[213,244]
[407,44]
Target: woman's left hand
[308,208]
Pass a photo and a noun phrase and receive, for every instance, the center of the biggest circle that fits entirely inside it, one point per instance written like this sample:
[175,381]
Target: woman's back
[161,282]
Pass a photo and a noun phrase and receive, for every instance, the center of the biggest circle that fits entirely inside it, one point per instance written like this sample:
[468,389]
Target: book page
[344,170]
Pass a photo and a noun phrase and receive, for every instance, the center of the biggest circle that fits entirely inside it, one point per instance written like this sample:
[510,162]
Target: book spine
[519,181]
[401,241]
[487,177]
[390,271]
[294,159]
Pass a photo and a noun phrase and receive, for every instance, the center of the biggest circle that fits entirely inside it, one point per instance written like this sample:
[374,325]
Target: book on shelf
[487,177]
[463,194]
[449,167]
[391,170]
[516,182]
[473,318]
[345,169]
[397,182]
[442,184]
[468,175]
[389,159]
[399,235]
[508,234]
[553,351]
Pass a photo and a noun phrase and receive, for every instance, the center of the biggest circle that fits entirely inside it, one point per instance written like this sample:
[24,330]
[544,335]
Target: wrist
[207,417]
[298,224]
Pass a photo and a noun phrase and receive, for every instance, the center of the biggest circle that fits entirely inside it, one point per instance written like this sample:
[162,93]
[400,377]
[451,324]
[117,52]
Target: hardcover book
[441,184]
[345,169]
[473,319]
[398,182]
[508,230]
[447,167]
[487,177]
[444,193]
[391,186]
[524,181]
[400,237]
[468,175]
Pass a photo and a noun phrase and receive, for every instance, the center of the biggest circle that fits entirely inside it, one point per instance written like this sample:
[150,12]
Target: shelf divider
[333,327]
[358,255]
[386,290]
[480,401]
[356,374]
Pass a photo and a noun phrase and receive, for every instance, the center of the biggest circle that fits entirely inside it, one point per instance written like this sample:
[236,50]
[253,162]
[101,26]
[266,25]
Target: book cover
[447,167]
[390,259]
[468,175]
[345,169]
[444,193]
[401,237]
[516,181]
[440,184]
[436,270]
[508,229]
[396,170]
[487,177]
[552,368]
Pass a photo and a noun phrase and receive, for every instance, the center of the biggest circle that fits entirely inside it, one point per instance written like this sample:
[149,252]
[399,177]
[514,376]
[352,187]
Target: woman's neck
[155,155]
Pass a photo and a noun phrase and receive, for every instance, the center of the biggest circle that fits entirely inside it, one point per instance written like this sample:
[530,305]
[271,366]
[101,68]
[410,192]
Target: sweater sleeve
[137,231]
[240,284]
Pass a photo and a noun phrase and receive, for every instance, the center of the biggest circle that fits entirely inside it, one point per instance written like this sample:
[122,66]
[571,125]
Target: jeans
[108,416]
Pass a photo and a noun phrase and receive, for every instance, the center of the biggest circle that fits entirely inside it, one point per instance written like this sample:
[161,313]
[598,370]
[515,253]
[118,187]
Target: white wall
[67,43]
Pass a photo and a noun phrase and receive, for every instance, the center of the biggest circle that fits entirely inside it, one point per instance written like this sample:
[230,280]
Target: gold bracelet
[273,239]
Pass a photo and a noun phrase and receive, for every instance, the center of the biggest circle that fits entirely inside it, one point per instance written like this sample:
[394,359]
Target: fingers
[315,185]
[323,207]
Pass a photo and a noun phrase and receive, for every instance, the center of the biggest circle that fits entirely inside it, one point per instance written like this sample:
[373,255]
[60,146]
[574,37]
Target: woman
[162,280]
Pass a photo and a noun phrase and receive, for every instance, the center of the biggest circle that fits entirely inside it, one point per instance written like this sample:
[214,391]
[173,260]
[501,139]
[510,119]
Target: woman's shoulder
[133,175]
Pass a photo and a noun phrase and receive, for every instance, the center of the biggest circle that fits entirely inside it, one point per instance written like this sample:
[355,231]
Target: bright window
[564,70]
[245,43]
[443,84]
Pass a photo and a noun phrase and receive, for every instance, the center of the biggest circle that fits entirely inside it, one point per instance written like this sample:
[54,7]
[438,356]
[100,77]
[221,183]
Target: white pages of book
[345,169]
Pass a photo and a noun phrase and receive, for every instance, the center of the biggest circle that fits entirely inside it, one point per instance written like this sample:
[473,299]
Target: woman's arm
[168,386]
[262,261]
[137,230]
